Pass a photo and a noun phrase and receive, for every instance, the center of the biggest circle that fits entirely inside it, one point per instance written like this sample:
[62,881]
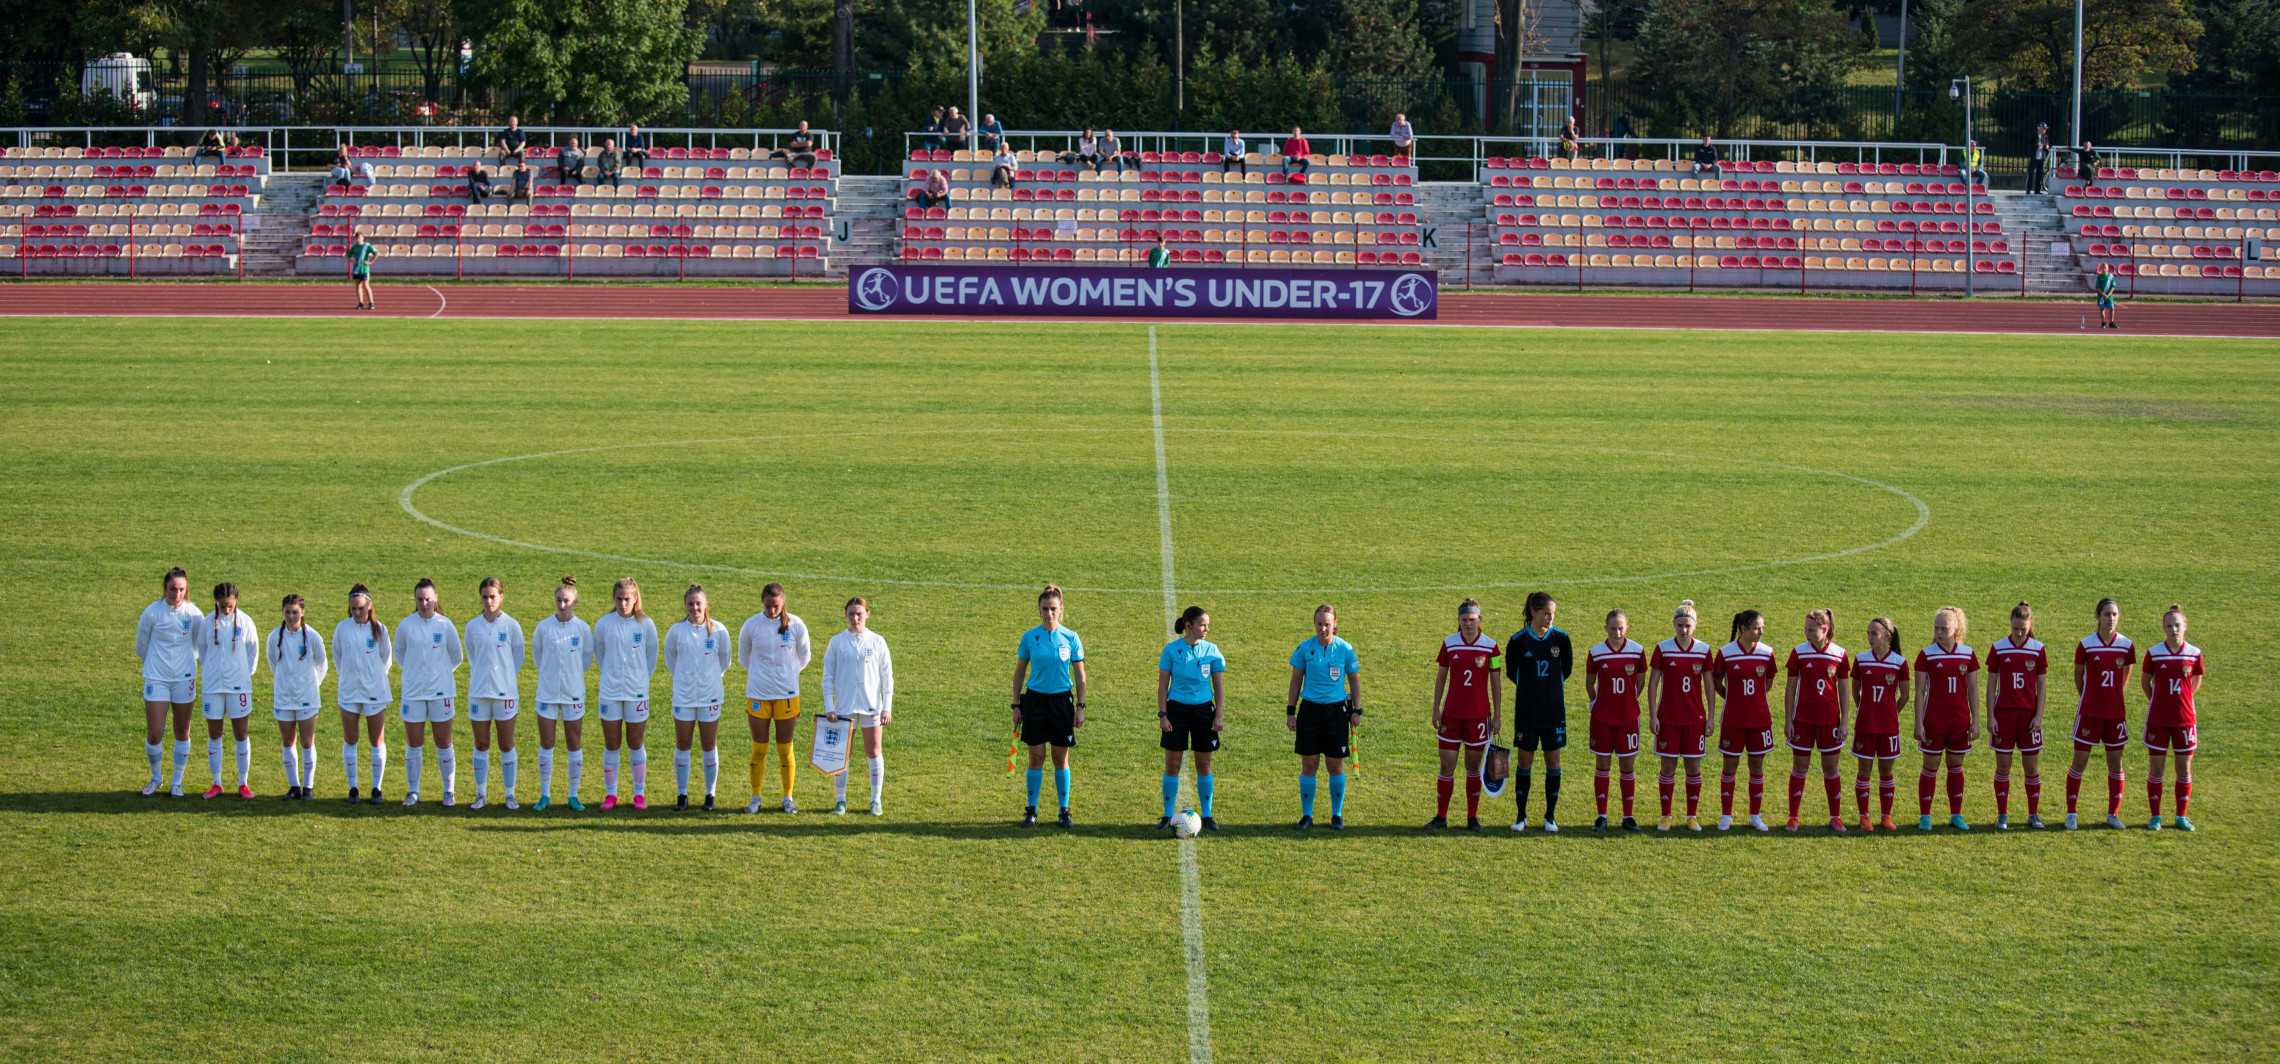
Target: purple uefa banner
[1138,292]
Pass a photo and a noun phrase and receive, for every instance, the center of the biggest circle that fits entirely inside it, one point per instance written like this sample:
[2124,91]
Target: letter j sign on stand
[1129,292]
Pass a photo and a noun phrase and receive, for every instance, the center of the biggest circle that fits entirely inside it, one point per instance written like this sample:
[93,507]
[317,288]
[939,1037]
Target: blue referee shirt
[1325,668]
[1191,668]
[1049,655]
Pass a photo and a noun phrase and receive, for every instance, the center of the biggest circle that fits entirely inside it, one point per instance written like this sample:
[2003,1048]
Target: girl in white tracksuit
[562,646]
[859,683]
[429,652]
[625,649]
[166,639]
[495,652]
[361,656]
[698,651]
[297,672]
[229,650]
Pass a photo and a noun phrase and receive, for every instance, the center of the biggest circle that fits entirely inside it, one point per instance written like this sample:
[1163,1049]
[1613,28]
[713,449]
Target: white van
[123,76]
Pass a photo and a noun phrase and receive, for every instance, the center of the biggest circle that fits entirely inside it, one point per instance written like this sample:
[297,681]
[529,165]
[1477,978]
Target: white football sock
[482,773]
[545,772]
[712,770]
[507,774]
[308,766]
[292,765]
[214,759]
[181,759]
[447,766]
[348,766]
[610,759]
[154,752]
[641,770]
[412,757]
[577,770]
[379,764]
[878,776]
[244,760]
[680,772]
[839,786]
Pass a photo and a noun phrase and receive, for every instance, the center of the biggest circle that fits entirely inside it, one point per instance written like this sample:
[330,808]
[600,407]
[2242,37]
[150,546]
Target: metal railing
[314,145]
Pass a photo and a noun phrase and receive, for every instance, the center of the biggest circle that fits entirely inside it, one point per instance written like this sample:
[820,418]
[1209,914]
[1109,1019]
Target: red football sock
[2184,793]
[1472,795]
[2034,794]
[1757,794]
[1796,793]
[1630,788]
[1726,793]
[2116,782]
[1693,794]
[1886,789]
[1663,784]
[1441,789]
[2073,789]
[2153,794]
[1955,790]
[1834,786]
[2002,794]
[1599,790]
[1927,787]
[1860,795]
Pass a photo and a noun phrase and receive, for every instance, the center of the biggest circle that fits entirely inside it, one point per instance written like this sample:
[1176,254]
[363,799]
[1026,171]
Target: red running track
[1524,309]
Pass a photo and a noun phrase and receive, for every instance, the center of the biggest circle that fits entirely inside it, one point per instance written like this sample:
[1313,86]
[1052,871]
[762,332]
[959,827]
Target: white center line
[1191,882]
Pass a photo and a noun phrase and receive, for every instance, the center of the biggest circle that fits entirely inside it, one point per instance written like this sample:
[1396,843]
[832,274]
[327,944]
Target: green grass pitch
[946,471]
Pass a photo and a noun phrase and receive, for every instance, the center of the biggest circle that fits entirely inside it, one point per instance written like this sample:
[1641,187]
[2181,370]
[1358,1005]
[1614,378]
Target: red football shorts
[1825,738]
[1456,733]
[2015,729]
[1875,747]
[1734,742]
[1615,740]
[2090,733]
[2176,740]
[1680,740]
[1949,737]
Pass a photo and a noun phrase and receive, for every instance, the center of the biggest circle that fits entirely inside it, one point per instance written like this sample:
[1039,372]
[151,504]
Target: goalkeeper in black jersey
[1537,660]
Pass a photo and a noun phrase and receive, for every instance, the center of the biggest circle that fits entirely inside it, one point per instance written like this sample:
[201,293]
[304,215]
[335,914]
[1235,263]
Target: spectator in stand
[572,163]
[2086,164]
[364,172]
[636,148]
[1112,151]
[607,163]
[954,130]
[1159,256]
[1625,133]
[1974,163]
[1002,167]
[2105,286]
[930,131]
[340,170]
[1088,151]
[478,186]
[522,185]
[800,150]
[1295,151]
[937,190]
[1231,153]
[2038,164]
[512,142]
[992,134]
[211,144]
[1404,136]
[1571,140]
[1705,157]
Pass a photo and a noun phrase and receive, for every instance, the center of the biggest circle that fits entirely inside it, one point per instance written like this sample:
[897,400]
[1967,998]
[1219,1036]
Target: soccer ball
[1187,824]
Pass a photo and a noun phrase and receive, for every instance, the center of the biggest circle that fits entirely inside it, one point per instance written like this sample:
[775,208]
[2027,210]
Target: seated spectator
[1002,168]
[2086,164]
[339,165]
[954,130]
[1231,152]
[1571,140]
[522,185]
[636,148]
[992,134]
[930,131]
[1705,157]
[572,163]
[607,163]
[1087,153]
[512,142]
[1112,151]
[1974,162]
[1403,135]
[478,186]
[800,150]
[211,144]
[937,191]
[364,172]
[1159,256]
[1295,151]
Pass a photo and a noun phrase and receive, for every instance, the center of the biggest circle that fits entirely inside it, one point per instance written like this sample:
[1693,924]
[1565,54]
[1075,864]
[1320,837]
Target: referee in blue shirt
[1537,660]
[1191,705]
[1049,699]
[1325,702]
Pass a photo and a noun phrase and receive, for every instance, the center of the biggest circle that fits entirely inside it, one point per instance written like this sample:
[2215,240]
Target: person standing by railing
[1571,140]
[1404,136]
[2038,163]
[930,131]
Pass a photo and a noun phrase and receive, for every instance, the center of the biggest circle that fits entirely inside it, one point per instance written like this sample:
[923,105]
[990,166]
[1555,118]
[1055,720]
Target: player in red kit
[1947,685]
[1815,707]
[1740,673]
[1466,693]
[1612,672]
[2173,673]
[2016,673]
[2102,665]
[1879,688]
[1679,713]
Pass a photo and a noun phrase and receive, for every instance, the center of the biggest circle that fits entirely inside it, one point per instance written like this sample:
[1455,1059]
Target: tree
[1378,39]
[2239,49]
[210,33]
[306,37]
[585,60]
[433,27]
[1717,59]
[2030,43]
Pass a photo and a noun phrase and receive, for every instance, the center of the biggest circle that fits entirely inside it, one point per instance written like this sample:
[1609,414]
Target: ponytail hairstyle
[1960,623]
[1187,617]
[1469,605]
[1617,612]
[1891,634]
[776,590]
[290,601]
[488,583]
[570,582]
[2102,604]
[1742,620]
[425,584]
[1826,618]
[2024,612]
[177,571]
[224,590]
[378,633]
[1052,591]
[626,583]
[1537,600]
[2173,608]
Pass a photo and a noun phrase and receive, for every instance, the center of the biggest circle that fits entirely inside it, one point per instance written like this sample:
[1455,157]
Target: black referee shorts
[1191,728]
[1048,718]
[1322,730]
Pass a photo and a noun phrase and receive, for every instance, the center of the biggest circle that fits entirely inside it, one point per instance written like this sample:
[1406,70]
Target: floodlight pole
[1970,223]
[2074,134]
[973,65]
[1900,77]
[1179,58]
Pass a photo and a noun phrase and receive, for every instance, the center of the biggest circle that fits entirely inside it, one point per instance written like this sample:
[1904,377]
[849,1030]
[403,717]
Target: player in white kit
[297,673]
[495,652]
[859,683]
[166,639]
[698,651]
[362,654]
[625,650]
[229,650]
[562,646]
[428,650]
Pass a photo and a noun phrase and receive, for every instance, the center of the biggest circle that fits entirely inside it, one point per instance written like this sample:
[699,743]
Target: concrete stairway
[1444,209]
[279,227]
[2032,224]
[865,217]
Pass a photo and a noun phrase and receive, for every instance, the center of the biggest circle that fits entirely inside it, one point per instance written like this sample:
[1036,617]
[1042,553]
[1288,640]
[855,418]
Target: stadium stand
[126,211]
[1345,210]
[719,211]
[2176,231]
[1771,224]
